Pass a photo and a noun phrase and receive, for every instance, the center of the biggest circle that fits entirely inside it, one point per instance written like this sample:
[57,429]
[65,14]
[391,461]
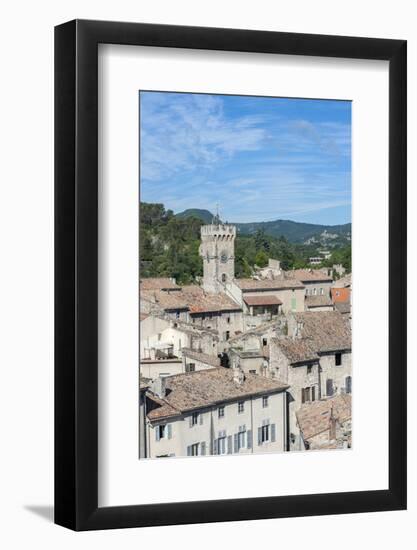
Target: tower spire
[216,218]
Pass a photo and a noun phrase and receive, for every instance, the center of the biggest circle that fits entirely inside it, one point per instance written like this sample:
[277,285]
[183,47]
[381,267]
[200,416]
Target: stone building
[218,252]
[318,303]
[317,282]
[193,305]
[326,424]
[144,385]
[264,299]
[215,412]
[314,360]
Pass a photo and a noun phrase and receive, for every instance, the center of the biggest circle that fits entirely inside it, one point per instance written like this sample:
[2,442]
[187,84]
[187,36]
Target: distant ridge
[205,215]
[295,232]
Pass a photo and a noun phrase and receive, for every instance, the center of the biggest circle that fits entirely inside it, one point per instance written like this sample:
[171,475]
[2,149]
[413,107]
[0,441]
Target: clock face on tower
[223,257]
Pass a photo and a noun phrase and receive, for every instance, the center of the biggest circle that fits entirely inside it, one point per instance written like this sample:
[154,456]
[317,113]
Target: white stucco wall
[211,425]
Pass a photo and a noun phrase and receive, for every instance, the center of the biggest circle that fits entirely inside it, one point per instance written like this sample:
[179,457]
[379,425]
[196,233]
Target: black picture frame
[76,272]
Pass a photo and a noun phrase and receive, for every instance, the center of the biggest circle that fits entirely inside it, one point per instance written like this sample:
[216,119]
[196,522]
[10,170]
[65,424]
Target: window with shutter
[348,384]
[229,445]
[189,450]
[329,387]
[249,439]
[273,435]
[169,429]
[313,393]
[259,436]
[203,448]
[303,397]
[236,440]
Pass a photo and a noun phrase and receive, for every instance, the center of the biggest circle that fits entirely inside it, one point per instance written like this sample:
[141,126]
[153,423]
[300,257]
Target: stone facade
[234,427]
[218,252]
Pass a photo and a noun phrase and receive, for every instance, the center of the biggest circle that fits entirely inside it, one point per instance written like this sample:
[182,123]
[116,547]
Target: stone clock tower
[218,251]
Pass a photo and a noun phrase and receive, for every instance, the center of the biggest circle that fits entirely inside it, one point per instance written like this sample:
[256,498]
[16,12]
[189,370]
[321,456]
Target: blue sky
[260,158]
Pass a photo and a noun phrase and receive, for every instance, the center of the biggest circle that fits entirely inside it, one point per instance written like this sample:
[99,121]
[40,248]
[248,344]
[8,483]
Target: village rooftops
[262,301]
[206,388]
[342,307]
[200,301]
[260,330]
[328,331]
[314,418]
[251,285]
[318,301]
[297,350]
[144,383]
[309,275]
[190,298]
[168,301]
[158,283]
[343,282]
[212,360]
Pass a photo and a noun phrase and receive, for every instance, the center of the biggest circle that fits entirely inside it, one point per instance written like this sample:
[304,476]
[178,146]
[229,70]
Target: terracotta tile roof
[313,418]
[343,282]
[200,301]
[164,300]
[190,297]
[200,389]
[297,350]
[318,301]
[308,275]
[267,284]
[262,301]
[158,283]
[328,330]
[212,360]
[342,307]
[257,331]
[144,382]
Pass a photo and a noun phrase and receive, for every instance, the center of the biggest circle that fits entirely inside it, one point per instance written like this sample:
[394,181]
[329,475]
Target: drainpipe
[251,421]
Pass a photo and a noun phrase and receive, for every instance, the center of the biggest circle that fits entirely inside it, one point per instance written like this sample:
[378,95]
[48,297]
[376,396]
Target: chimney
[238,374]
[298,329]
[158,387]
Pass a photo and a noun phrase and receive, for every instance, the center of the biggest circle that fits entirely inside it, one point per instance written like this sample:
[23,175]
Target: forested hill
[294,232]
[169,247]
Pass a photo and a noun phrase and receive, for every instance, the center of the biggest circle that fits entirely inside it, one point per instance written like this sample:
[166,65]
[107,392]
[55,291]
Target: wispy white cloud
[258,161]
[191,131]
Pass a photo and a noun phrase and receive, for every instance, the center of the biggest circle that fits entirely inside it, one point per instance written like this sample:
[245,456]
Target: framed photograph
[230,337]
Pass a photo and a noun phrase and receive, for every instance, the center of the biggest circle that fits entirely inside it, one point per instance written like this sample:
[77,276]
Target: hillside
[169,246]
[294,232]
[203,215]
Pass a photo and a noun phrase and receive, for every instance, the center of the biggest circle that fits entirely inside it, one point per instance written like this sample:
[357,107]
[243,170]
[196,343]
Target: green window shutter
[191,421]
[236,437]
[157,433]
[203,448]
[273,433]
[169,428]
[189,450]
[249,439]
[259,436]
[201,418]
[293,304]
[215,446]
[229,445]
